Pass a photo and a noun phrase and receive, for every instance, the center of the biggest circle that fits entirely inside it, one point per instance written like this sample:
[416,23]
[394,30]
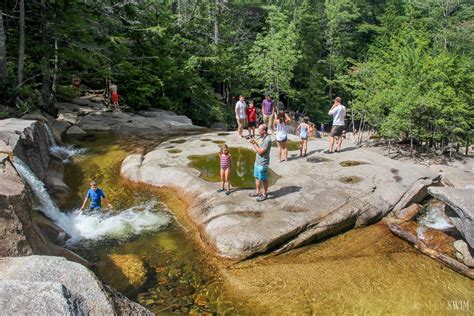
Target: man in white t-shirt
[240,114]
[338,112]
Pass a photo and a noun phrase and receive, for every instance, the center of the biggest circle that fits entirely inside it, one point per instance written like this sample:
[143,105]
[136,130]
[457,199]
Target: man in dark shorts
[338,112]
[251,118]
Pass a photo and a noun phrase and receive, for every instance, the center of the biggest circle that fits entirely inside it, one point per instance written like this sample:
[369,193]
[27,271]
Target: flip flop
[254,194]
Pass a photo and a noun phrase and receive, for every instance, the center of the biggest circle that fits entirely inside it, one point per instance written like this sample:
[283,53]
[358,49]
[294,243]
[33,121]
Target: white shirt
[240,109]
[338,115]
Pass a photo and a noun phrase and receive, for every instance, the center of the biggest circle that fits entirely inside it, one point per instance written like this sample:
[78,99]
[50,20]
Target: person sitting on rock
[95,194]
[226,164]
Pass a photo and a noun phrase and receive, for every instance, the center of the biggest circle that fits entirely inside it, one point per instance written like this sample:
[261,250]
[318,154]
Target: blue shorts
[260,172]
[95,208]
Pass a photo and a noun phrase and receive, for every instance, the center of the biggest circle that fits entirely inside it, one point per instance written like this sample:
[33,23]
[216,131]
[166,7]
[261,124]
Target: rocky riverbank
[313,198]
[43,284]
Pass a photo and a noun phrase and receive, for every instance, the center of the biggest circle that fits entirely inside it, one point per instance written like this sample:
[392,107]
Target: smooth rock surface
[462,203]
[84,287]
[75,131]
[90,116]
[40,298]
[308,202]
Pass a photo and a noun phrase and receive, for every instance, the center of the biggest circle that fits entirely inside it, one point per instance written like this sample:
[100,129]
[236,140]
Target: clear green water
[241,175]
[365,271]
[178,279]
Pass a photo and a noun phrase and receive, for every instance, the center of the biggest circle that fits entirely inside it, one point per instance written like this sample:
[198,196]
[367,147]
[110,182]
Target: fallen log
[418,244]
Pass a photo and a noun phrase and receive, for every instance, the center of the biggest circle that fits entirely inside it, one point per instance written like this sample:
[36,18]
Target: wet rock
[408,213]
[415,194]
[462,203]
[75,131]
[325,205]
[126,271]
[464,253]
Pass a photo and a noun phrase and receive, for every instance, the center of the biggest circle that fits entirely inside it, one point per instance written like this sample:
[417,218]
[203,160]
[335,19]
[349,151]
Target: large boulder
[462,203]
[19,237]
[27,140]
[64,287]
[313,198]
[91,116]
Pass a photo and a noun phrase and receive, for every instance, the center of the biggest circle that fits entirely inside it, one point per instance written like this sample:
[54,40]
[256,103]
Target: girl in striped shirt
[226,164]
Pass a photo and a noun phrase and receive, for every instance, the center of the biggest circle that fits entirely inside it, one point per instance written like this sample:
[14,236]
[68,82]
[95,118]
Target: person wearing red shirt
[252,118]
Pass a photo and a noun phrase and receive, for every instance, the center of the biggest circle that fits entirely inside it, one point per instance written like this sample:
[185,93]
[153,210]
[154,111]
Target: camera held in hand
[249,137]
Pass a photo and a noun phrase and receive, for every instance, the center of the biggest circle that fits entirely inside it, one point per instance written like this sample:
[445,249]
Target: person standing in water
[95,195]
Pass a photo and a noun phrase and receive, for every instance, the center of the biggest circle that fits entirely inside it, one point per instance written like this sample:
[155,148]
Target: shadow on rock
[283,191]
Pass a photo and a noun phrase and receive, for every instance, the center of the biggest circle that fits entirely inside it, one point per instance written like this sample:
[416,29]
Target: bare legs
[285,150]
[251,131]
[265,186]
[303,147]
[240,127]
[225,179]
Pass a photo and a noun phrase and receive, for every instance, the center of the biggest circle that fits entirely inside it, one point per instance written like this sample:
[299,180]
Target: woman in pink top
[226,164]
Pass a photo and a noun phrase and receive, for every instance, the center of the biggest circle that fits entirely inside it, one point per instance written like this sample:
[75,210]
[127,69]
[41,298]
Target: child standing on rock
[303,128]
[226,164]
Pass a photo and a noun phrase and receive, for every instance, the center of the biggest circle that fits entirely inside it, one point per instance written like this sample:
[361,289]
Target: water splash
[64,151]
[67,152]
[435,218]
[94,225]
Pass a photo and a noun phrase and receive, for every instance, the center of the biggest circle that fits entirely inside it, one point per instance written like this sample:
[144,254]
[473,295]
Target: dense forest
[403,67]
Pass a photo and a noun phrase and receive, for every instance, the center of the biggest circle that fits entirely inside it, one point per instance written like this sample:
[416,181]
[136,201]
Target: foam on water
[80,225]
[435,218]
[67,151]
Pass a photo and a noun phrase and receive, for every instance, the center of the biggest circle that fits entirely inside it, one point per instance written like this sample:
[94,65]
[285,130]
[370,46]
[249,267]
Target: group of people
[263,145]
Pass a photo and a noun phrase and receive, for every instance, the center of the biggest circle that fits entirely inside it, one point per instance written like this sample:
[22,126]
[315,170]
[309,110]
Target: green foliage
[409,85]
[275,54]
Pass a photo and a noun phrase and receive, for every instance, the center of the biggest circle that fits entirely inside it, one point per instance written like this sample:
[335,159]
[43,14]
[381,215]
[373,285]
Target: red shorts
[114,97]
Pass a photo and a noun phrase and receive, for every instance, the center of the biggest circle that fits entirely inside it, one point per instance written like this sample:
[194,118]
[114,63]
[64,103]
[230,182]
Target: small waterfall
[95,225]
[65,151]
[49,132]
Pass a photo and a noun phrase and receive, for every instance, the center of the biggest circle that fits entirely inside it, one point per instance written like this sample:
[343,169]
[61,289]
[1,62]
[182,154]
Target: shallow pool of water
[241,175]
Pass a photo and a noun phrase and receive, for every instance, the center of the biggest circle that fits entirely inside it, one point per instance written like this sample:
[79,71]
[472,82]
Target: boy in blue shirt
[95,194]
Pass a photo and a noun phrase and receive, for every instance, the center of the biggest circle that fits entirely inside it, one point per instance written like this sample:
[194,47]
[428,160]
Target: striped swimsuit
[225,161]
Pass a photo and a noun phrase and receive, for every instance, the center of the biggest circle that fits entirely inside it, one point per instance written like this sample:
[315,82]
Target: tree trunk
[54,86]
[217,27]
[467,144]
[21,45]
[448,261]
[3,52]
[45,71]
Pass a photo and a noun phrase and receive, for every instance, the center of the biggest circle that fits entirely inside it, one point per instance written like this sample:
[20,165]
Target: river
[364,271]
